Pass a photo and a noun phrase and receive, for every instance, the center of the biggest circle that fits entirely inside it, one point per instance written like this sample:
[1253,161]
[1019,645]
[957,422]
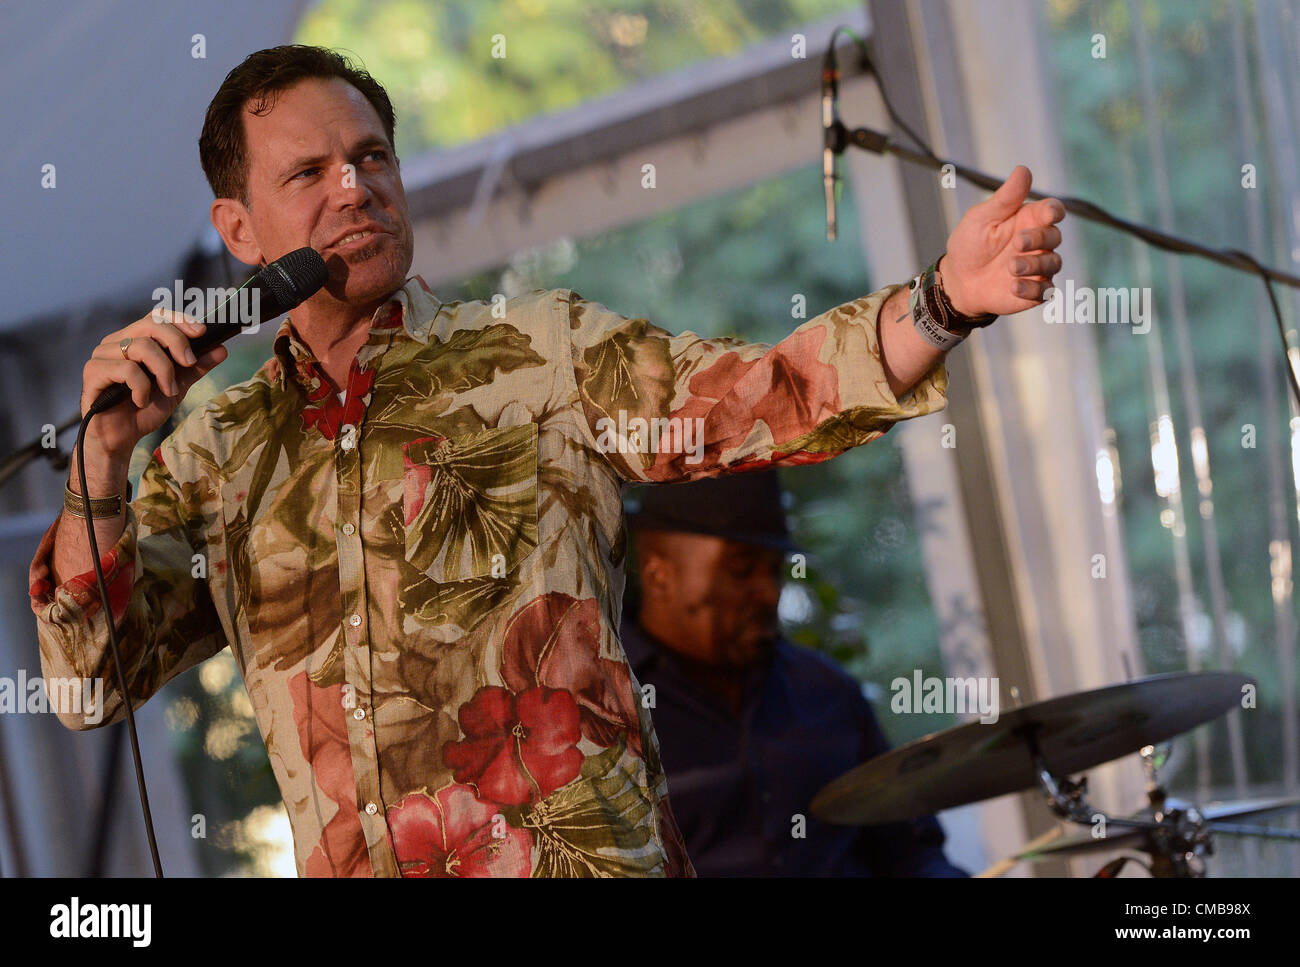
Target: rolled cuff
[76,602]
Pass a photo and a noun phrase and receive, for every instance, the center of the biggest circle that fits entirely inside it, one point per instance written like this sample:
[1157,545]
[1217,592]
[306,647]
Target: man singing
[408,525]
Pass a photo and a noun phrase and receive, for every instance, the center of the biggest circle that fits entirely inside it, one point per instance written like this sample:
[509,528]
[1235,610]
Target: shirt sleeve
[163,612]
[665,408]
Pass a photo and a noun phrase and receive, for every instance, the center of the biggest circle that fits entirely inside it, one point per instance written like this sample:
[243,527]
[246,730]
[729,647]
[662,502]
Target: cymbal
[1084,842]
[1074,732]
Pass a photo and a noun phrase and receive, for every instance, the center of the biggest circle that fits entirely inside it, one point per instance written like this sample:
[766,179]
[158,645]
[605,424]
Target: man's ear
[656,573]
[235,226]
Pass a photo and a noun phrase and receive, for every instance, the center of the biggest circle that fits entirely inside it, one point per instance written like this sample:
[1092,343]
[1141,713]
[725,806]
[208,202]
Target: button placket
[357,667]
[357,672]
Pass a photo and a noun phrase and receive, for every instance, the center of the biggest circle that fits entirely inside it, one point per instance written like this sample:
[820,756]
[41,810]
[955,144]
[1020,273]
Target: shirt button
[355,620]
[348,528]
[359,714]
[371,809]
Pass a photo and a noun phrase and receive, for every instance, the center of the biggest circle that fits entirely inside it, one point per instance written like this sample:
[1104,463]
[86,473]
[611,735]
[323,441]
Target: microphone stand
[9,468]
[30,452]
[839,137]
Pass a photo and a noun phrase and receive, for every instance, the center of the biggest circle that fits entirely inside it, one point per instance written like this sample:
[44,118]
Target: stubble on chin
[359,282]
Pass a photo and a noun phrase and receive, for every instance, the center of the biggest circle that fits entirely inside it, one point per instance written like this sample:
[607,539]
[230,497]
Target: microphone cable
[838,137]
[288,282]
[112,640]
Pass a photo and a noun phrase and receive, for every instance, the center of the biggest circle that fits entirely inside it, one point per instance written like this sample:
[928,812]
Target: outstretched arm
[999,259]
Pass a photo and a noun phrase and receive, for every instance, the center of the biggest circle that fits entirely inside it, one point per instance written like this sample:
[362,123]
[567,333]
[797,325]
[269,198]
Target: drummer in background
[750,725]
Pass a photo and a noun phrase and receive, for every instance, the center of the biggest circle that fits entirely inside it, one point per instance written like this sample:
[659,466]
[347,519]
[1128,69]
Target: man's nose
[350,189]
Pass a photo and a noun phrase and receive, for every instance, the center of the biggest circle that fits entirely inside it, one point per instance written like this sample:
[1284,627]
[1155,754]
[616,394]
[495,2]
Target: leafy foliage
[437,59]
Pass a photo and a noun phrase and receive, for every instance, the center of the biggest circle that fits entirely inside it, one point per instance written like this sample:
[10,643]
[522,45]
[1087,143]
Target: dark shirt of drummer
[742,772]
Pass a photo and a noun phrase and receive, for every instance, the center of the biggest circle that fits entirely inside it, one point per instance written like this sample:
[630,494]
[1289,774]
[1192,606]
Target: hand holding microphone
[152,357]
[155,360]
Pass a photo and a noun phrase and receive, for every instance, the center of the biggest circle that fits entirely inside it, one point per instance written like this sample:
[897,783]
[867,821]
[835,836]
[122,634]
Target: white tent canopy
[112,95]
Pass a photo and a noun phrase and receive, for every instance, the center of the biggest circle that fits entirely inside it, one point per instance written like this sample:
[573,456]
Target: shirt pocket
[469,503]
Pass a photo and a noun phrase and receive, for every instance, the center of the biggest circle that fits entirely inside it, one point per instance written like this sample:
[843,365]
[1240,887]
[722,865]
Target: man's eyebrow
[311,161]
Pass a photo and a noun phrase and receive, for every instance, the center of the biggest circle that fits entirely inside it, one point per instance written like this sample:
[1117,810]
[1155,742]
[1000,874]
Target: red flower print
[450,834]
[417,477]
[517,748]
[787,388]
[554,641]
[331,414]
[119,576]
[390,317]
[323,736]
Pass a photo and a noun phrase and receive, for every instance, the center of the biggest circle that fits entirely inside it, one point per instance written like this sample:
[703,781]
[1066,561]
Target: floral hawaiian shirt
[422,582]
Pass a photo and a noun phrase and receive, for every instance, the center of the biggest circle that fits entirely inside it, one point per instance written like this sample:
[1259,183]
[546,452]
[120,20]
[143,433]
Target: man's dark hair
[223,150]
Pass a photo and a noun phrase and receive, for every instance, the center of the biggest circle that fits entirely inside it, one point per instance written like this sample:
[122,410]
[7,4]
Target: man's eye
[306,171]
[379,153]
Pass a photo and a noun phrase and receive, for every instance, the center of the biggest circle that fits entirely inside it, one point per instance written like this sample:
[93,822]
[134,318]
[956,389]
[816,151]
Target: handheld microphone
[282,286]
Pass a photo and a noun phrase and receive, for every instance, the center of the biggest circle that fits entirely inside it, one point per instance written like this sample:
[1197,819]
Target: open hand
[1001,256]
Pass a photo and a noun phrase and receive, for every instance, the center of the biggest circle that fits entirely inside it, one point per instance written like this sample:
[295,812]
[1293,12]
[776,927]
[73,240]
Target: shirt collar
[415,301]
